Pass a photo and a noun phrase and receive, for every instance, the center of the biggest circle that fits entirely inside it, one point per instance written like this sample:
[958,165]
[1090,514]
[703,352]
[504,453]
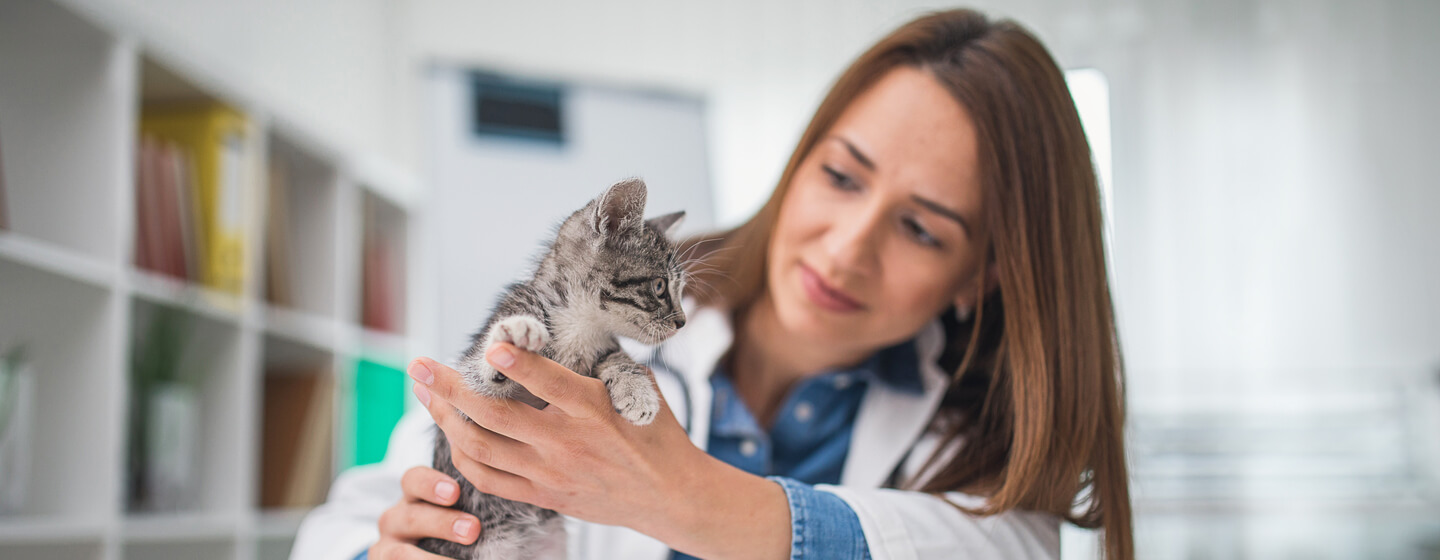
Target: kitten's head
[636,279]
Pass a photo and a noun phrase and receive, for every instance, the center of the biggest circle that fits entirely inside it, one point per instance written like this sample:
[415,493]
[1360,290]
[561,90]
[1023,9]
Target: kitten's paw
[634,398]
[524,331]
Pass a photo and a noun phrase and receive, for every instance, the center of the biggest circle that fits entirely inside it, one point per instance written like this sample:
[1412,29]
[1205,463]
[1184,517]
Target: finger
[478,443]
[508,417]
[490,480]
[430,485]
[412,521]
[571,392]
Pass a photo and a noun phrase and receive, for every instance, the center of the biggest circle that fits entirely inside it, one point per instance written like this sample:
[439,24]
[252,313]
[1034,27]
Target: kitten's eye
[659,286]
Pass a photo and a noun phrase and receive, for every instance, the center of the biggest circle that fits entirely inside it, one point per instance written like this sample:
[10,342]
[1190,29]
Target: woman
[913,340]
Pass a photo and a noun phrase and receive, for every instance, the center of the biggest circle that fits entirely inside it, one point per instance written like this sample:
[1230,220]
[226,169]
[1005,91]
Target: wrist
[714,510]
[675,513]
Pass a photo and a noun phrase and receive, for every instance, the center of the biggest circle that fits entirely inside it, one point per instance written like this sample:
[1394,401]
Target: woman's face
[876,235]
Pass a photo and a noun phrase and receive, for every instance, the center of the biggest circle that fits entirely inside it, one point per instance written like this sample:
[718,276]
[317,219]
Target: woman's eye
[918,233]
[839,180]
[659,286]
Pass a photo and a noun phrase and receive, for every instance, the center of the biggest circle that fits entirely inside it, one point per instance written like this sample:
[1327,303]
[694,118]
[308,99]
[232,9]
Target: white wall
[328,64]
[761,65]
[1275,197]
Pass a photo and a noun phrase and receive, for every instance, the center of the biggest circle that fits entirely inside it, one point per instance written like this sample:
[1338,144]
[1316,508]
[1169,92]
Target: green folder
[379,403]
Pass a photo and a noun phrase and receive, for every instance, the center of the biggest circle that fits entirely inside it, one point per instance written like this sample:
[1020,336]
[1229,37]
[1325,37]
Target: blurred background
[226,226]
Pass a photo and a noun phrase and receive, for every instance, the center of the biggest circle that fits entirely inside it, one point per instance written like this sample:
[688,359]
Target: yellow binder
[217,141]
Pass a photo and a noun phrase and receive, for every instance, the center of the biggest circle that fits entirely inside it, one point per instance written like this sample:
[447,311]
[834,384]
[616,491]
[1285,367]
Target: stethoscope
[657,363]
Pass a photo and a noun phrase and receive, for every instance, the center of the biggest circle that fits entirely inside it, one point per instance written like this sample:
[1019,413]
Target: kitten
[608,272]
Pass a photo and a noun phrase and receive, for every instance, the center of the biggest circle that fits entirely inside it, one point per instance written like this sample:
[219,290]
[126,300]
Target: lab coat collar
[891,418]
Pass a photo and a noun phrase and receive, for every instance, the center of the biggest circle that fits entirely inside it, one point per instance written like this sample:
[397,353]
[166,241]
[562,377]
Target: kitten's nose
[679,323]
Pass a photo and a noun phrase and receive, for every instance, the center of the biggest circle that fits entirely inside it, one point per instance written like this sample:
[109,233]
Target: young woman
[909,352]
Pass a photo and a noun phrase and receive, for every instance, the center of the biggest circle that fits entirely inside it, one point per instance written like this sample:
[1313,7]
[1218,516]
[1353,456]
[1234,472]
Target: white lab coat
[897,524]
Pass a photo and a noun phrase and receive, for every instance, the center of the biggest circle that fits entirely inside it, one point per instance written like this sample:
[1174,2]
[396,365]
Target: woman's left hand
[577,456]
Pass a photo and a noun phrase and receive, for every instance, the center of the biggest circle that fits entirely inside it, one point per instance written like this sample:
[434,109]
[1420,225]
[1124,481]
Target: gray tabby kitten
[609,272]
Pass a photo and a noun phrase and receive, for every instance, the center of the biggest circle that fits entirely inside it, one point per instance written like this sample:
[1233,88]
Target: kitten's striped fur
[608,272]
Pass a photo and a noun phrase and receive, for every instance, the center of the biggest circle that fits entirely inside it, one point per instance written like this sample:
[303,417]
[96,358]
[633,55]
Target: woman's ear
[965,299]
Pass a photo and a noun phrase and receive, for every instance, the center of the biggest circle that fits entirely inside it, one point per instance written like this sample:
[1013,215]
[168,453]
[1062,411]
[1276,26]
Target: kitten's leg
[554,545]
[525,332]
[631,390]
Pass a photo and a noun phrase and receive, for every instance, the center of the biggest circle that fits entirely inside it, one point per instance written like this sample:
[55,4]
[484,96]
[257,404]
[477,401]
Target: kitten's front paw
[524,331]
[635,398]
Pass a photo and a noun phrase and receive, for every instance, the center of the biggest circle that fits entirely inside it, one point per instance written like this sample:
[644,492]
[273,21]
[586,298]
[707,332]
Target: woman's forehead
[914,132]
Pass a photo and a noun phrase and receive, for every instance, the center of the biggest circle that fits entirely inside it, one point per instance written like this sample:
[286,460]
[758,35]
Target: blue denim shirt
[807,445]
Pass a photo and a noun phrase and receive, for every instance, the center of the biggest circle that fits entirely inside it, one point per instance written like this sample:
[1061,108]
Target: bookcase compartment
[298,425]
[197,186]
[187,408]
[300,228]
[66,100]
[67,402]
[383,268]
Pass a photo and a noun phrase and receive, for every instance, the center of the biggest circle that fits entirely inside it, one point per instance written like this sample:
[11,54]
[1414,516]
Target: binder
[216,142]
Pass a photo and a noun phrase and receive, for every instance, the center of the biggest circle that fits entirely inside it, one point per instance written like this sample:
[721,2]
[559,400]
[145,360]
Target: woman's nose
[854,238]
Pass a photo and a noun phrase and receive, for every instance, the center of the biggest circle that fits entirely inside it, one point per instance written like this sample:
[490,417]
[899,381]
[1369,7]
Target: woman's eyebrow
[937,208]
[865,161]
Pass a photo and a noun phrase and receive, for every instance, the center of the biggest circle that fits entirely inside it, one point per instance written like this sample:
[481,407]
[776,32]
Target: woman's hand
[579,457]
[420,514]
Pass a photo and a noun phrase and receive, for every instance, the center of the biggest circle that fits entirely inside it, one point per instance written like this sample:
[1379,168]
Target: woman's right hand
[421,513]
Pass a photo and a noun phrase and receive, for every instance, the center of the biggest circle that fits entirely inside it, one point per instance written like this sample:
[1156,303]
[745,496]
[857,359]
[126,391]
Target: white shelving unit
[72,84]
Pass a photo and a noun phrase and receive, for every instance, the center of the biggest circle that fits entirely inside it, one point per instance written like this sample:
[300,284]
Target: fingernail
[423,394]
[419,372]
[463,526]
[502,357]
[446,490]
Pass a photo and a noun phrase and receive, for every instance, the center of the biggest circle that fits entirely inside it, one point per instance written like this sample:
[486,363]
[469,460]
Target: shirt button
[841,382]
[748,448]
[804,411]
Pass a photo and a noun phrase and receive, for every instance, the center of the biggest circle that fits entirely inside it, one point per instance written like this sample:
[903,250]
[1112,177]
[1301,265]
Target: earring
[962,313]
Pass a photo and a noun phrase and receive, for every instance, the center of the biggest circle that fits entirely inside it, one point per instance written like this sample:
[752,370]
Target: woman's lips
[824,295]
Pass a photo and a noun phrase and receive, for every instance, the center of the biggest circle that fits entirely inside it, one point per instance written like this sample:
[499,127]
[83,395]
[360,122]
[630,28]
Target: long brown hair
[1034,415]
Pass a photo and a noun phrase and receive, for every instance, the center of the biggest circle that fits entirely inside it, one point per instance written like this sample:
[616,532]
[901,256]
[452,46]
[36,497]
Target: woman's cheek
[919,285]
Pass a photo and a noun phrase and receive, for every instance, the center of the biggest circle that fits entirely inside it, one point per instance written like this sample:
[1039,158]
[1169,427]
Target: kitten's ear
[621,206]
[668,223]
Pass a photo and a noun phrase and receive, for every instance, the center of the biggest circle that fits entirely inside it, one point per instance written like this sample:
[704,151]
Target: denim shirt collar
[897,367]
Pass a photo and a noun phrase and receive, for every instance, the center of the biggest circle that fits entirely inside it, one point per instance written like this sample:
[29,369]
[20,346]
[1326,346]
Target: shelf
[55,259]
[53,551]
[279,523]
[173,292]
[49,529]
[148,527]
[207,549]
[300,327]
[379,345]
